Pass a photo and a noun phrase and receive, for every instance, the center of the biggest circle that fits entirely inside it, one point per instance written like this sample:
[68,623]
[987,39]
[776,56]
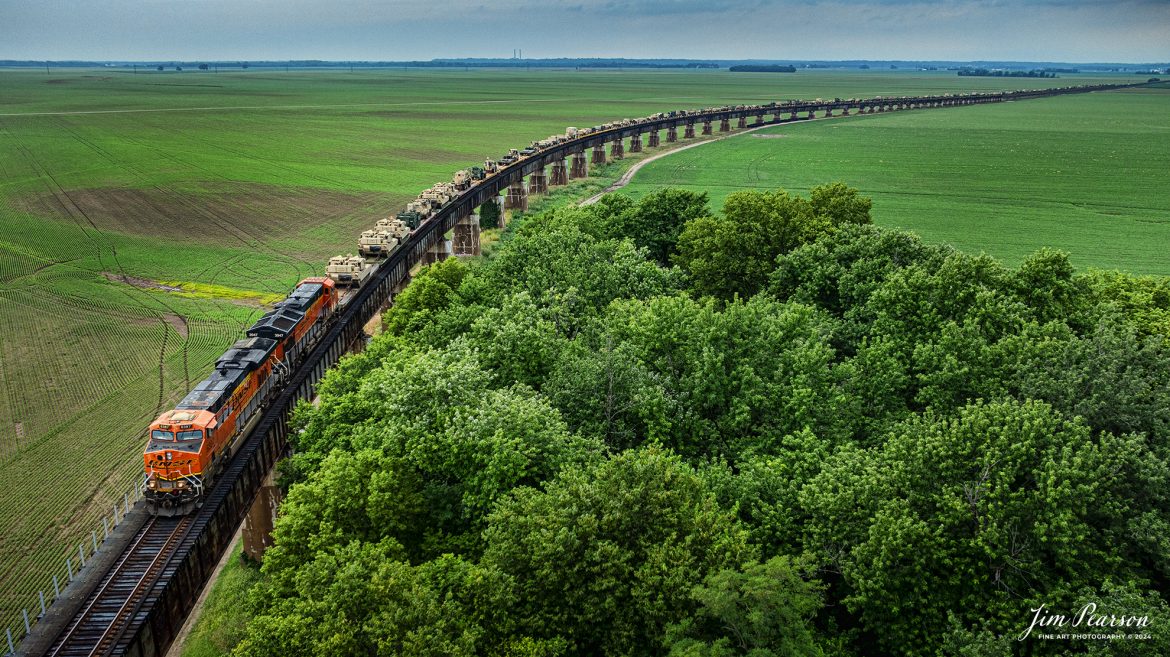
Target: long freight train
[190,445]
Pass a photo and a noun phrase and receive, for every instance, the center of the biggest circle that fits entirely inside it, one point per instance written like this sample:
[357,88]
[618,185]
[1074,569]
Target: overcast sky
[1048,30]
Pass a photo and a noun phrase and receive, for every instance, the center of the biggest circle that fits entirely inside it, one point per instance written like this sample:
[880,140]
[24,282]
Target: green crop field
[1084,173]
[114,185]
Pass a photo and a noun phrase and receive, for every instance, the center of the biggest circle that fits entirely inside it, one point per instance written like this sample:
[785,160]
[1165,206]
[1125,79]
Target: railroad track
[142,600]
[109,611]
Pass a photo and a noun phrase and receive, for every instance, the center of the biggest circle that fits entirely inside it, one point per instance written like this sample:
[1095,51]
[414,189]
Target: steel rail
[166,598]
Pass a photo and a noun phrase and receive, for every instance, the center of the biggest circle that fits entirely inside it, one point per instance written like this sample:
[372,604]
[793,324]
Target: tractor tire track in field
[248,240]
[243,237]
[300,264]
[38,269]
[271,163]
[97,238]
[122,271]
[62,199]
[162,384]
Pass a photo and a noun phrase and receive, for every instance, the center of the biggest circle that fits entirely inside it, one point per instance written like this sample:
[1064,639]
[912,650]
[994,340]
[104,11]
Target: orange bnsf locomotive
[190,445]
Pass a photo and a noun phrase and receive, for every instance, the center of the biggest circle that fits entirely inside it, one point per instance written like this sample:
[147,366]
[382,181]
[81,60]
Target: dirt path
[629,175]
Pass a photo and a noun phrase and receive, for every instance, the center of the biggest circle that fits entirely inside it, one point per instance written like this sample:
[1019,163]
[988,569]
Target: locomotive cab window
[185,440]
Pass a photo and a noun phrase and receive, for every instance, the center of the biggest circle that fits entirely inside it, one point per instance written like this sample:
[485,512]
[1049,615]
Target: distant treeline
[563,62]
[610,62]
[986,73]
[763,69]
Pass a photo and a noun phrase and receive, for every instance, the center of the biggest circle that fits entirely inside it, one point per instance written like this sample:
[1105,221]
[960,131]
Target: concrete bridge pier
[759,119]
[707,126]
[672,134]
[517,198]
[579,168]
[725,124]
[829,113]
[812,114]
[742,122]
[538,182]
[257,529]
[636,143]
[598,156]
[689,133]
[438,252]
[466,236]
[653,142]
[499,201]
[617,150]
[560,173]
[792,116]
[845,112]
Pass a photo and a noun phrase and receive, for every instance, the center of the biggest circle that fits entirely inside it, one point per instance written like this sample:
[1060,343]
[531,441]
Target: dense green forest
[654,429]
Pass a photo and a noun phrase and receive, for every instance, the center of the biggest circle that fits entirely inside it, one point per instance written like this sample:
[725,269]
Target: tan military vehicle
[377,243]
[349,270]
[396,227]
[462,179]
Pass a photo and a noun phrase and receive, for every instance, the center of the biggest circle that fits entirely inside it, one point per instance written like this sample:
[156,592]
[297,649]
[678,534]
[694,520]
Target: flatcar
[189,445]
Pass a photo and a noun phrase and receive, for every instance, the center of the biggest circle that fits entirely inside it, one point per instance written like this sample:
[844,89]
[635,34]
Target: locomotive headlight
[182,484]
[152,484]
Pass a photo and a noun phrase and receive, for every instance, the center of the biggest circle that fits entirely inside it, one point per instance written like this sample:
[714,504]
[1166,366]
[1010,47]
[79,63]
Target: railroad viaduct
[135,598]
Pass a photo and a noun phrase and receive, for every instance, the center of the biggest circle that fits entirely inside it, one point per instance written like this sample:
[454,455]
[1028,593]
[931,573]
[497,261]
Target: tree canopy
[647,428]
[733,253]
